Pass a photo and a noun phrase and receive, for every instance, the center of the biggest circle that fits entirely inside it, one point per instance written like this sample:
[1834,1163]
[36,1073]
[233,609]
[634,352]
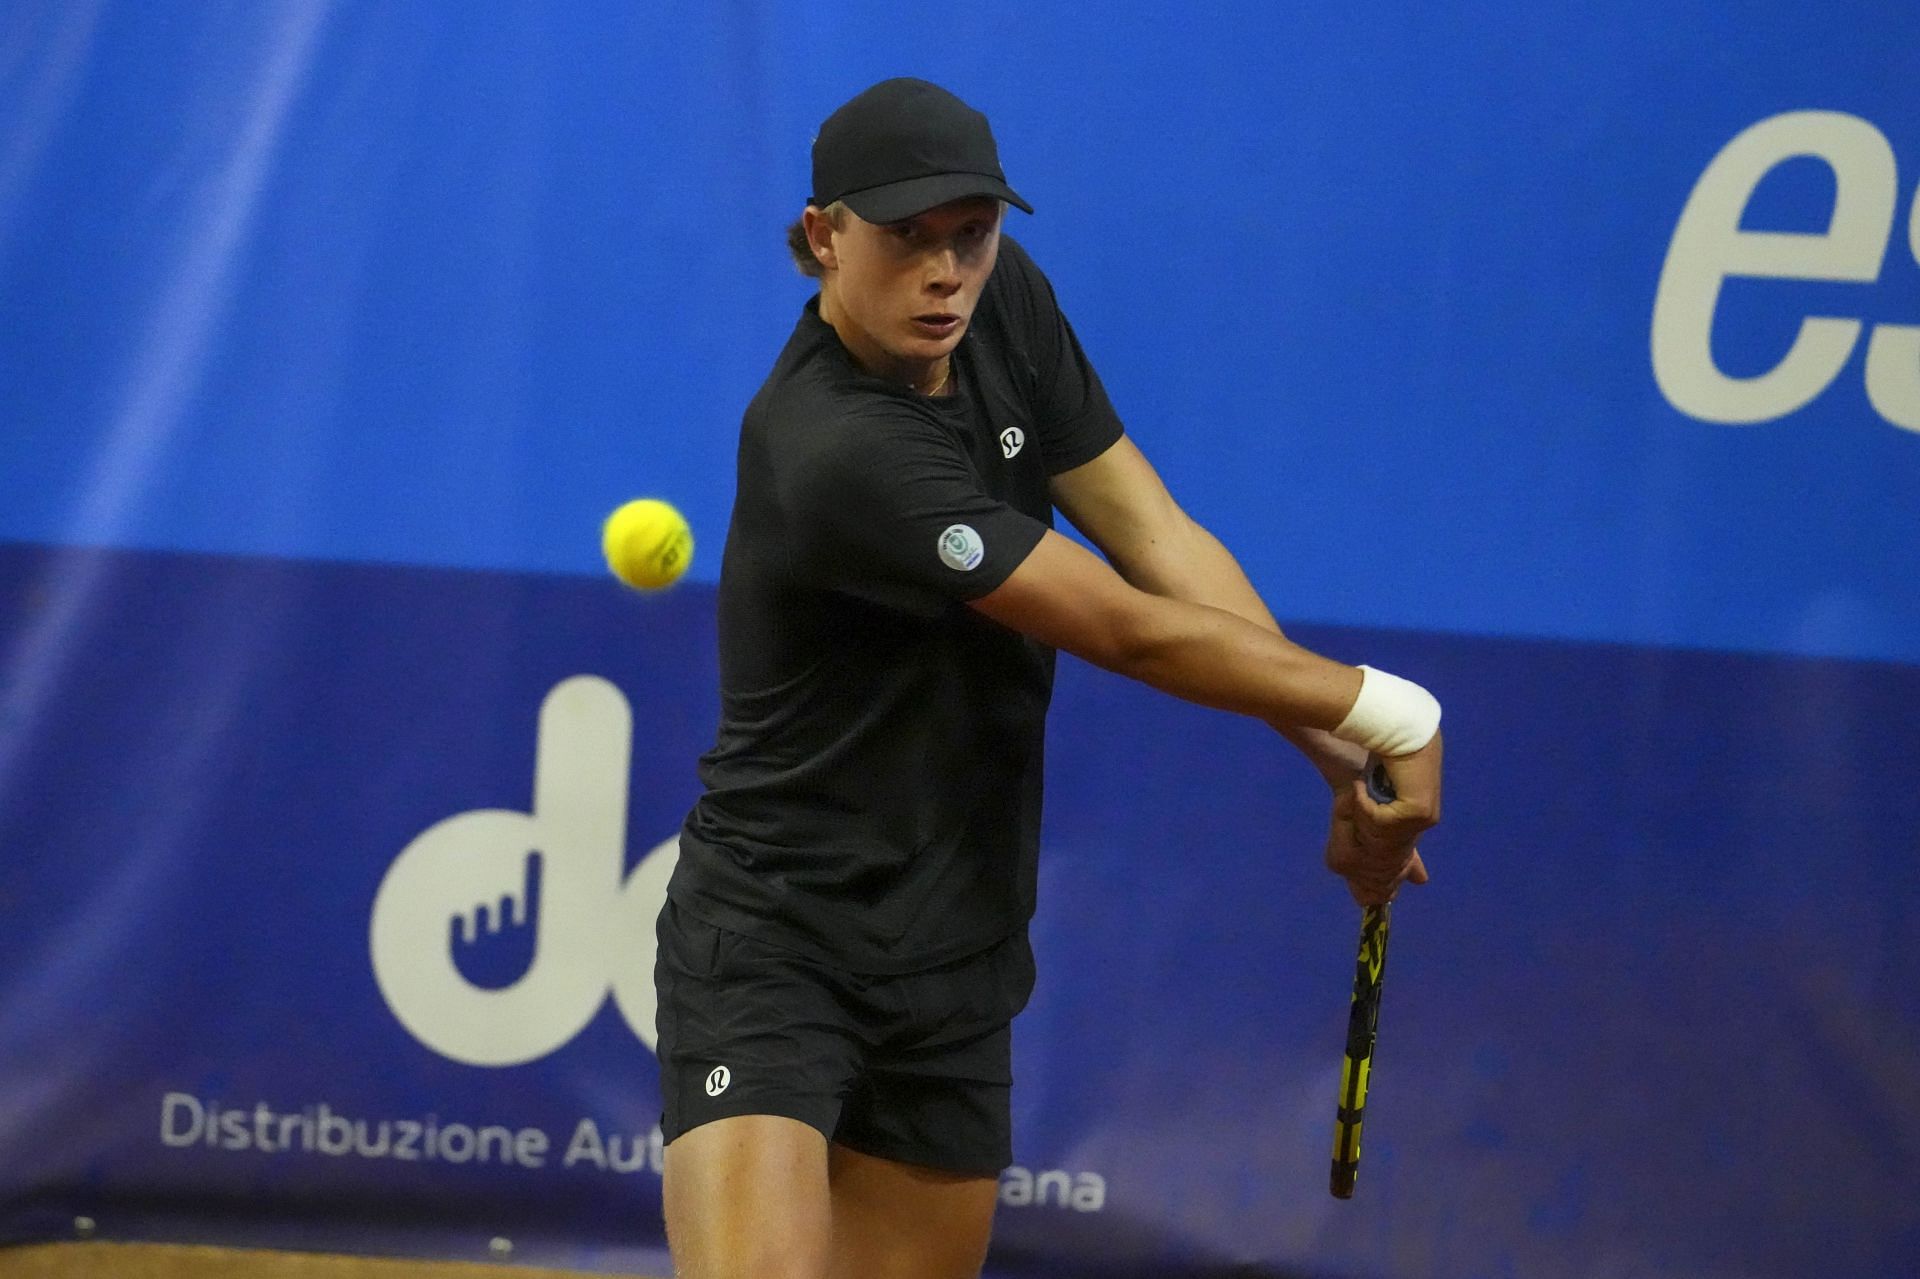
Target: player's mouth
[936,324]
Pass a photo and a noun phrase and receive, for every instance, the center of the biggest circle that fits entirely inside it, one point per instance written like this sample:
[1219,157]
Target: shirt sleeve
[1077,422]
[887,508]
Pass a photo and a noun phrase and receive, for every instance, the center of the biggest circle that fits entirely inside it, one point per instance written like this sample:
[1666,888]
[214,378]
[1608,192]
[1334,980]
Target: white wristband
[1392,716]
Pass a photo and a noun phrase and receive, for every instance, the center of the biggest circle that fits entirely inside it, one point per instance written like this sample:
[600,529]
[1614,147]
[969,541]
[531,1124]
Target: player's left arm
[1120,504]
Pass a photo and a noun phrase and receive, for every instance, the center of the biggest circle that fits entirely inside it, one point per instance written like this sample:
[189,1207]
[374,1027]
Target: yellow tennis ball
[647,544]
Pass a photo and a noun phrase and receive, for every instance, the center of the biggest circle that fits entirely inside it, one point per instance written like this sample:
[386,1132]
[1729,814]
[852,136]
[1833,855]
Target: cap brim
[897,200]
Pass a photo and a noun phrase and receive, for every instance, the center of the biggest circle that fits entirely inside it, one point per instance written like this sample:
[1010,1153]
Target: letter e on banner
[1708,246]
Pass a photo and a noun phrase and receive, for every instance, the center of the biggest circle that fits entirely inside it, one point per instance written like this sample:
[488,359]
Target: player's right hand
[1415,807]
[1373,845]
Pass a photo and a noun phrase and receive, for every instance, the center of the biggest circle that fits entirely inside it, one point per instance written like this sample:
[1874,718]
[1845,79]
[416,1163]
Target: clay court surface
[180,1261]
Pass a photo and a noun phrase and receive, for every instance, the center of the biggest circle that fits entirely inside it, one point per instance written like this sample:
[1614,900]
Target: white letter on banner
[335,1131]
[1708,246]
[1893,356]
[169,1105]
[586,1145]
[1089,1192]
[578,829]
[234,1132]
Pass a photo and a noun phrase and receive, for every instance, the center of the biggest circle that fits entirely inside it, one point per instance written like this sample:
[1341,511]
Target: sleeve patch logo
[961,548]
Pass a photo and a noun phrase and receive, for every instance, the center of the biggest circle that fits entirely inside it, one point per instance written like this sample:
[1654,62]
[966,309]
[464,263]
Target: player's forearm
[1195,566]
[1215,658]
[1191,564]
[1064,596]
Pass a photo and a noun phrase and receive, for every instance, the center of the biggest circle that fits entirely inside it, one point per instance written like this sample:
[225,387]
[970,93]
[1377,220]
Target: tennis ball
[647,544]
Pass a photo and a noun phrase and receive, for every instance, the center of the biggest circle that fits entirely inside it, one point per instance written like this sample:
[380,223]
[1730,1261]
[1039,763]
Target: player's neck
[928,377]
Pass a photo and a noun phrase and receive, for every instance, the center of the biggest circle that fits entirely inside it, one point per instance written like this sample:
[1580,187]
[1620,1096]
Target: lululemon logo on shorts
[717,1081]
[961,548]
[1011,439]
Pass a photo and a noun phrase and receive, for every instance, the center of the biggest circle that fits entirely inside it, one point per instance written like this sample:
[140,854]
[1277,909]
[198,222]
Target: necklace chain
[944,375]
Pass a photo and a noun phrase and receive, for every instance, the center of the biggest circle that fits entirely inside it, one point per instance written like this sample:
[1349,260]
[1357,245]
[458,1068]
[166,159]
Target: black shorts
[916,1068]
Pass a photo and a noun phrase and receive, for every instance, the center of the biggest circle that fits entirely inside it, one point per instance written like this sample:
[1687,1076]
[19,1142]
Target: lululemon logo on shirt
[1011,439]
[717,1081]
[961,548]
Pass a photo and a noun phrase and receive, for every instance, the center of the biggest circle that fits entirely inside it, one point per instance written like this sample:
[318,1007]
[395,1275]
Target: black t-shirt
[874,794]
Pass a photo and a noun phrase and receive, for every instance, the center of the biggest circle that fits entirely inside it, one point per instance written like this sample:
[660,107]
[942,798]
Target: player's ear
[820,233]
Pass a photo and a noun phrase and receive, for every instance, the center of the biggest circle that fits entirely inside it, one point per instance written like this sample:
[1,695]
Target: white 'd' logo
[469,883]
[1011,439]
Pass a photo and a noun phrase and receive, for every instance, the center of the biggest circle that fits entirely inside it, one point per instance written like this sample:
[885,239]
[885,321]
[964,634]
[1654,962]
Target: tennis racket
[1363,1020]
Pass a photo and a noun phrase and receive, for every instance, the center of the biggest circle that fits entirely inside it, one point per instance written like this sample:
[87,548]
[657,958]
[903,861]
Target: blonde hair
[802,251]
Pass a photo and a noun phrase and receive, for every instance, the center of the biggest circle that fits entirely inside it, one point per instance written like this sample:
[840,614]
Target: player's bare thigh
[898,1221]
[747,1196]
[763,1195]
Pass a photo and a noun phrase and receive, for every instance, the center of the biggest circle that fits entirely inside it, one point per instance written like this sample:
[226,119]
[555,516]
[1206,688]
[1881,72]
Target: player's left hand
[1374,867]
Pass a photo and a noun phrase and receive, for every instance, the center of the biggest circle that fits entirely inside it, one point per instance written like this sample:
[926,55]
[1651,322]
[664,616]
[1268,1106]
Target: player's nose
[943,270]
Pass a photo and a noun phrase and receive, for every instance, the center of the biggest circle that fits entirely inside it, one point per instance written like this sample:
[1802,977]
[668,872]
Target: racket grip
[1379,785]
[1341,1183]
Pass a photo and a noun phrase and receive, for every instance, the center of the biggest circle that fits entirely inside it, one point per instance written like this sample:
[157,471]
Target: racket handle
[1356,1067]
[1363,1019]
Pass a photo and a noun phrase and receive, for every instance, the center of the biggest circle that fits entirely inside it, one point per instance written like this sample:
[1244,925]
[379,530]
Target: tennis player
[844,943]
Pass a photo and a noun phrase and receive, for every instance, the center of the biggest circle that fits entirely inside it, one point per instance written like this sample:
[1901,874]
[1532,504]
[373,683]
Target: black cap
[902,147]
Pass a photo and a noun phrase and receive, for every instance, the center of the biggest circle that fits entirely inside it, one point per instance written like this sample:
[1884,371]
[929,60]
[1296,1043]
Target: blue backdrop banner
[1567,362]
